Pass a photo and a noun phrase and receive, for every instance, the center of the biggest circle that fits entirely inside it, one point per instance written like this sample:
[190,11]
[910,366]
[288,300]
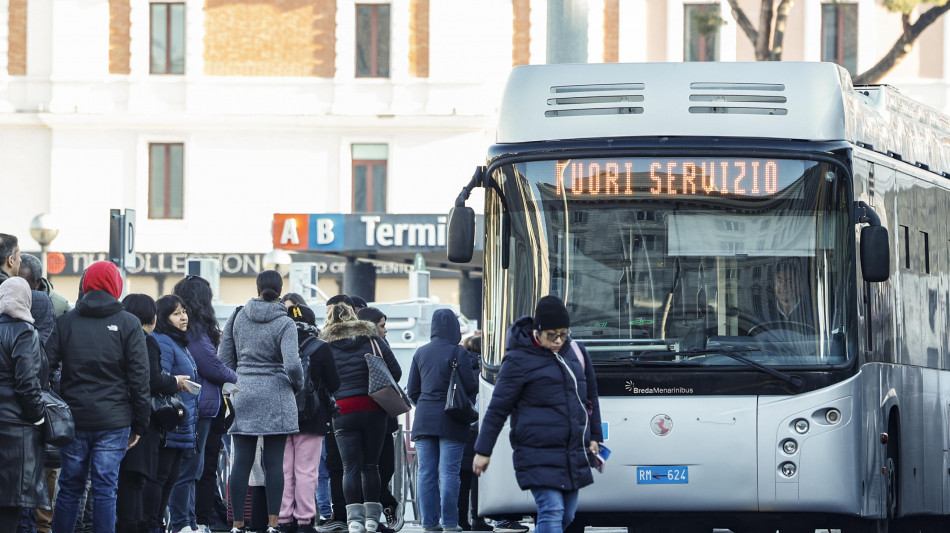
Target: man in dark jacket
[545,392]
[105,377]
[31,269]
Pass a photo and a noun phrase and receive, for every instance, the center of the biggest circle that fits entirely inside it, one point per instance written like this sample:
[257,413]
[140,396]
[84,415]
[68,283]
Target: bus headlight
[801,426]
[832,416]
[790,446]
[788,469]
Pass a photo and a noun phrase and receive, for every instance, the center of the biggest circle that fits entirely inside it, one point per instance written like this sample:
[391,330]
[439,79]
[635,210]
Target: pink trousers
[301,463]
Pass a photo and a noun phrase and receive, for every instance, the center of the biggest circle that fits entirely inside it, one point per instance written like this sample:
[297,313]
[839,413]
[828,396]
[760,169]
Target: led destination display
[638,177]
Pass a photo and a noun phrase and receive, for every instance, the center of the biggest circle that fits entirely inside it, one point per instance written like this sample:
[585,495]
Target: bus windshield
[672,261]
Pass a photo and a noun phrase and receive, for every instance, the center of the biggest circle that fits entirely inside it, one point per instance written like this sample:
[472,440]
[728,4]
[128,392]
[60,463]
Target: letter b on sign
[325,231]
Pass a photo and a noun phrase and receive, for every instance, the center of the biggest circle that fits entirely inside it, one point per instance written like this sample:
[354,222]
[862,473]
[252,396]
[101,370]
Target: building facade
[208,117]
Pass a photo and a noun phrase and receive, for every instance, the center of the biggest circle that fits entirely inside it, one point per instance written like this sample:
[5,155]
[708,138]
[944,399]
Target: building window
[168,39]
[839,35]
[701,32]
[372,40]
[369,178]
[166,168]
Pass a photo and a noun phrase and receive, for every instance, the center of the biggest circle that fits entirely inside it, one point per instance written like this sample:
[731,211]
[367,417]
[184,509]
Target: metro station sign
[364,232]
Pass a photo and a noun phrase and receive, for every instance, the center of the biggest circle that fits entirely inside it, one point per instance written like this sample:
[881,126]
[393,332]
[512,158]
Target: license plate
[662,475]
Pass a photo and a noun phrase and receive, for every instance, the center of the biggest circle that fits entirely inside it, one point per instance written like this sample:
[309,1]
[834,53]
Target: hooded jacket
[543,392]
[350,341]
[105,375]
[322,374]
[429,379]
[259,343]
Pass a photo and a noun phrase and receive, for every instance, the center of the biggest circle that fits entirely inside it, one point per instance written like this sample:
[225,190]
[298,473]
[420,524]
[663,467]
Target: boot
[356,518]
[373,511]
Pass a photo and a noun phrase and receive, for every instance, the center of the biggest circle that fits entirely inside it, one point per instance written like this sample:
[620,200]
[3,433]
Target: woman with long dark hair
[141,461]
[259,343]
[360,429]
[203,336]
[170,333]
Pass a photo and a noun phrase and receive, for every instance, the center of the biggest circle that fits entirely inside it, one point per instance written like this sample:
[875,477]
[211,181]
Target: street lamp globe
[43,229]
[278,260]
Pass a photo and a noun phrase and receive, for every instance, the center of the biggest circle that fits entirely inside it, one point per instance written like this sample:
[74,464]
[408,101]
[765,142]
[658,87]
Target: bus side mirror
[461,234]
[875,254]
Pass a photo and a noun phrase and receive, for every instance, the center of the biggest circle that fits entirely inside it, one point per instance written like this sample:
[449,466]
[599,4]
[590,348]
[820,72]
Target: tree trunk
[903,46]
[743,21]
[781,21]
[763,46]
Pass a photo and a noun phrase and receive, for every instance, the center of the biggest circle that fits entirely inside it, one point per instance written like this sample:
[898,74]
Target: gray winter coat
[259,343]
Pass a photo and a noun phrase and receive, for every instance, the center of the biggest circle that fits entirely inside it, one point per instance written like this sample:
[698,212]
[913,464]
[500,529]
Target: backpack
[308,399]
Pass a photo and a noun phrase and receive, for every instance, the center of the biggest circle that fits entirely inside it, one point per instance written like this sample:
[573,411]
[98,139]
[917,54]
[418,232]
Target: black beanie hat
[302,313]
[550,313]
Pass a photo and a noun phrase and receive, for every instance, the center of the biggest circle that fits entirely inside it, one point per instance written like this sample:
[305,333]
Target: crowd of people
[156,388]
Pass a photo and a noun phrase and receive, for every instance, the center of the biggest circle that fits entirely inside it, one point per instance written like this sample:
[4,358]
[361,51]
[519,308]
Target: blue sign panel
[327,232]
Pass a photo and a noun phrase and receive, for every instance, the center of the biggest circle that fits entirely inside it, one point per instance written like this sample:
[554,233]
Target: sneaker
[479,524]
[453,529]
[437,527]
[510,526]
[187,529]
[238,530]
[287,527]
[333,526]
[394,516]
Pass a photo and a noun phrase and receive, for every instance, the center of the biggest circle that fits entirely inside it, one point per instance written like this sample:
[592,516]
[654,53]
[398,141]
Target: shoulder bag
[382,388]
[168,411]
[58,427]
[458,405]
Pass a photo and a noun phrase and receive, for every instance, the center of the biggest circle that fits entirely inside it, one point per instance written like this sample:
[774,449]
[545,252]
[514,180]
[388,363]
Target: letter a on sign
[289,234]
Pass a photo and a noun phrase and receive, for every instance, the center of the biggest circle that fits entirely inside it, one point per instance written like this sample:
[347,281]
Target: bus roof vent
[738,98]
[595,99]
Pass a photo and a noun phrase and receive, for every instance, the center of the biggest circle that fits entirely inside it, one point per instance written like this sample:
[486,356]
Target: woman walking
[141,461]
[440,439]
[203,338]
[170,328]
[543,384]
[361,426]
[23,371]
[259,343]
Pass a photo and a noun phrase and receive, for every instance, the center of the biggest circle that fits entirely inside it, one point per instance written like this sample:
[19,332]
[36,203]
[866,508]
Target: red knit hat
[103,276]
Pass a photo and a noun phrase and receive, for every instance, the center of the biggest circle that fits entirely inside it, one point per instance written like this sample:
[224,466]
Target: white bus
[757,257]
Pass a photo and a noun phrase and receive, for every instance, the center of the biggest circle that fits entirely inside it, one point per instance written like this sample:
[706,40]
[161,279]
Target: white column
[595,31]
[539,32]
[345,40]
[811,37]
[674,30]
[633,31]
[398,41]
[728,33]
[4,40]
[39,38]
[869,41]
[194,39]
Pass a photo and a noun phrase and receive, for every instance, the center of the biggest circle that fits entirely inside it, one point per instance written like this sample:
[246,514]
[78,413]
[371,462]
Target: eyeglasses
[551,336]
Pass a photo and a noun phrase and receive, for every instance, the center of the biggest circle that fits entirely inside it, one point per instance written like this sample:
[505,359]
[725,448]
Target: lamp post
[43,229]
[278,260]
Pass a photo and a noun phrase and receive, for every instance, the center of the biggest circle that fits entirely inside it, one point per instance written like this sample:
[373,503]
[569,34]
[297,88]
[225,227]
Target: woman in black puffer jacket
[361,426]
[543,384]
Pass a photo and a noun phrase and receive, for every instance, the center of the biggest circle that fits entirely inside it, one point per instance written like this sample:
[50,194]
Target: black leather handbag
[168,411]
[458,404]
[58,427]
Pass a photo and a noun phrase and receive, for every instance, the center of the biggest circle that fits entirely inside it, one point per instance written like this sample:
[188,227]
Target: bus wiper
[795,381]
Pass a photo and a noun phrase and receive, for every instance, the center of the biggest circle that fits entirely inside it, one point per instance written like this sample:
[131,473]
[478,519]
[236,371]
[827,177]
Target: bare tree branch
[902,47]
[743,21]
[763,46]
[781,22]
